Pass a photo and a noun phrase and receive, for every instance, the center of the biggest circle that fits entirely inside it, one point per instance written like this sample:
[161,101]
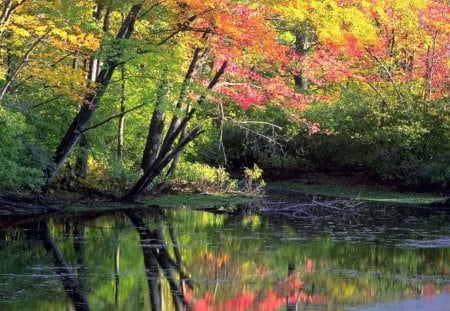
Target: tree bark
[81,164]
[303,43]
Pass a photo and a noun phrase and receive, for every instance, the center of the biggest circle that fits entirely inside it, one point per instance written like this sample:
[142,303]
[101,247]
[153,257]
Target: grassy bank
[346,187]
[194,200]
[175,200]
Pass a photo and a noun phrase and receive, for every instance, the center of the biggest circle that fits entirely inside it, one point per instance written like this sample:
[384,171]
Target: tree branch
[21,64]
[113,117]
[388,72]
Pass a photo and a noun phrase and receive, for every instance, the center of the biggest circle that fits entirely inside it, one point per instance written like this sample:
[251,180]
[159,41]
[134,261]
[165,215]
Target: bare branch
[388,72]
[22,62]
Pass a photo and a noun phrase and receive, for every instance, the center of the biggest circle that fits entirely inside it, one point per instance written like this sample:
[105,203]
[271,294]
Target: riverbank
[309,187]
[356,188]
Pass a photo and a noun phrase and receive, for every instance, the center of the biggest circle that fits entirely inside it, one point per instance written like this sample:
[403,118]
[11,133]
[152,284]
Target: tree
[92,98]
[58,66]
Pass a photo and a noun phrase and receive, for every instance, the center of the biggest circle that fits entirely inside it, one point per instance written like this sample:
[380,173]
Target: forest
[125,96]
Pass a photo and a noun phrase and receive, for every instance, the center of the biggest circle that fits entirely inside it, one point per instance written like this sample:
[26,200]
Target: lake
[181,259]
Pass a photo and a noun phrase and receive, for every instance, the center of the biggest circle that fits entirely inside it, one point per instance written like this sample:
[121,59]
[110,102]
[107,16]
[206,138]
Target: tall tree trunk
[176,159]
[91,100]
[429,68]
[81,164]
[121,126]
[303,43]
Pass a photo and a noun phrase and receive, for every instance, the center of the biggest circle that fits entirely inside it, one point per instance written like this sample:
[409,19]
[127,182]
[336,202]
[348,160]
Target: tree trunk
[91,101]
[161,161]
[169,149]
[81,164]
[303,43]
[155,130]
[211,85]
[121,127]
[176,159]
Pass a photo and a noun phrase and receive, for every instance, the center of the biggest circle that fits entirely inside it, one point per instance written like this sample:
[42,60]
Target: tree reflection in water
[68,276]
[134,261]
[157,260]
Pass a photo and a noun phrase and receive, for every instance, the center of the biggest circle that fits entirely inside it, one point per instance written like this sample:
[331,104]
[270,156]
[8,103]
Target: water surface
[184,259]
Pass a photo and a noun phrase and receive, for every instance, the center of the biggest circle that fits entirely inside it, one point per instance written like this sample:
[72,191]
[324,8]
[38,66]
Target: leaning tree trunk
[210,86]
[155,129]
[169,149]
[163,159]
[91,100]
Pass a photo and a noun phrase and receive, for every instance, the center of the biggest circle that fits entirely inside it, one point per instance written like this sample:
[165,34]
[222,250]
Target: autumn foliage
[290,53]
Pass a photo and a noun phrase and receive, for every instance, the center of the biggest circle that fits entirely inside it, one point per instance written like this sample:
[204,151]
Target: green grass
[339,188]
[182,199]
[197,200]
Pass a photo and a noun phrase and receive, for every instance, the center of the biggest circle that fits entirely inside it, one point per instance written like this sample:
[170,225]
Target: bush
[253,180]
[111,175]
[406,142]
[202,177]
[22,161]
[253,142]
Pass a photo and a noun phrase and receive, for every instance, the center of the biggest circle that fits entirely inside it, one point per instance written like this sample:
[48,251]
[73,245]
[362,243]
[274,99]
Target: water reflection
[186,260]
[157,260]
[69,277]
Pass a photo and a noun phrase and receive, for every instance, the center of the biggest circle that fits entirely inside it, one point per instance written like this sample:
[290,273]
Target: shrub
[110,175]
[404,141]
[253,181]
[202,177]
[21,159]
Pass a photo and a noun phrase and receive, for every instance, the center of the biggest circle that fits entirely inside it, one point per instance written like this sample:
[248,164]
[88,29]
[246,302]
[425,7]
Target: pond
[195,260]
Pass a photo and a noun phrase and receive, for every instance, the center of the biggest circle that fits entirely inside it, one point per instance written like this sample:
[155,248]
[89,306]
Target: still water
[194,260]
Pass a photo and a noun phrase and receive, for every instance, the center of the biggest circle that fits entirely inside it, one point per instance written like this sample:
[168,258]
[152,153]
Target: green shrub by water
[403,141]
[21,159]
